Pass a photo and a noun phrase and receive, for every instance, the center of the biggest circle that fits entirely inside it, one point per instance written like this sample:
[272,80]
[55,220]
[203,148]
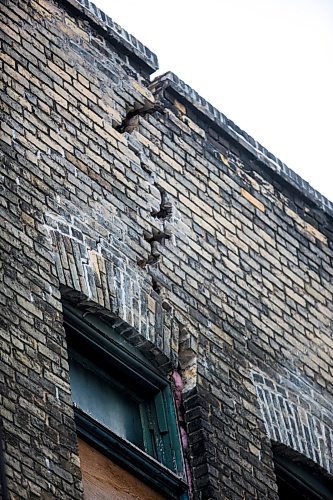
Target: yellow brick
[61,141]
[83,80]
[150,145]
[130,155]
[27,219]
[214,186]
[104,133]
[56,97]
[19,99]
[171,162]
[199,250]
[194,208]
[91,115]
[151,304]
[121,178]
[202,223]
[44,107]
[225,223]
[225,160]
[112,113]
[306,226]
[143,91]
[71,71]
[43,7]
[72,29]
[58,71]
[93,260]
[6,138]
[167,187]
[47,139]
[193,126]
[98,160]
[254,183]
[84,91]
[221,334]
[29,77]
[201,204]
[11,33]
[113,132]
[178,122]
[195,179]
[32,139]
[253,200]
[180,107]
[314,232]
[9,60]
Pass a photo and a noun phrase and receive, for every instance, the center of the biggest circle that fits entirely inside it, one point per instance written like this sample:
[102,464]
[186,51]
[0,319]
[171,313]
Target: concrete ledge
[170,80]
[116,32]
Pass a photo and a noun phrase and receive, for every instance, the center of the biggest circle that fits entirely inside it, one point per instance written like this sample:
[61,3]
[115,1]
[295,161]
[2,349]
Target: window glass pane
[97,396]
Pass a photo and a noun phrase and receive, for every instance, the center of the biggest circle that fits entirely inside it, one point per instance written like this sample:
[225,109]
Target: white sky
[266,64]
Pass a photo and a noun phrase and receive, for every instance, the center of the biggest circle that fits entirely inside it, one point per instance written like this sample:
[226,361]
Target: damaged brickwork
[142,203]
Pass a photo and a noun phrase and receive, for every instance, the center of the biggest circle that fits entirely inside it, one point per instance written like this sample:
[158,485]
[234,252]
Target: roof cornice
[115,32]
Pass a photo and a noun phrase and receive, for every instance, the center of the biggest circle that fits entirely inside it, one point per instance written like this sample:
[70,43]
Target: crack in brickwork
[131,120]
[166,208]
[244,281]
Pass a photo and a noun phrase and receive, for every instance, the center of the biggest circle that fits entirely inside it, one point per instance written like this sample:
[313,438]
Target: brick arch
[101,273]
[110,318]
[295,418]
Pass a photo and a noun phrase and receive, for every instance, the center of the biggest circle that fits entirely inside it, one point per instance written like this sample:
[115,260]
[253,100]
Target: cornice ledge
[115,32]
[170,80]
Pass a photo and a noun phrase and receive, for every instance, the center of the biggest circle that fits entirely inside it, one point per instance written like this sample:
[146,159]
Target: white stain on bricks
[99,267]
[294,420]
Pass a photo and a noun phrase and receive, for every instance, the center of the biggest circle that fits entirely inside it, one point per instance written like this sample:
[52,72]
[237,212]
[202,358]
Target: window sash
[130,457]
[101,344]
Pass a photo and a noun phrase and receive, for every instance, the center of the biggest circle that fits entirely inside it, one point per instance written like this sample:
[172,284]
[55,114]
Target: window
[123,407]
[298,480]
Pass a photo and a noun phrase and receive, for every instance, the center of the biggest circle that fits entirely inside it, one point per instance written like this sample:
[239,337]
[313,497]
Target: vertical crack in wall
[158,236]
[156,239]
[165,209]
[187,357]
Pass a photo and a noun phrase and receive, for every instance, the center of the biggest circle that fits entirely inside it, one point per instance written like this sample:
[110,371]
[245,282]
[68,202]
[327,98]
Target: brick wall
[146,205]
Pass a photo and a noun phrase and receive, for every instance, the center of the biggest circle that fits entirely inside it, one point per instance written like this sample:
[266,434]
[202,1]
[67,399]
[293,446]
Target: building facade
[166,283]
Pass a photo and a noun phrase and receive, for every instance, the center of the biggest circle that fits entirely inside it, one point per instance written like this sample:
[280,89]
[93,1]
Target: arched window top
[123,406]
[300,478]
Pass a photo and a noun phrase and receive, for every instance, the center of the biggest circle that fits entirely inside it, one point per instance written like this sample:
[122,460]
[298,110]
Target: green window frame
[123,370]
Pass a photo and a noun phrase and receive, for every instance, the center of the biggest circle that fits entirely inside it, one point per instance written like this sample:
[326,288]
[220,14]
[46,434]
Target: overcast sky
[266,64]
